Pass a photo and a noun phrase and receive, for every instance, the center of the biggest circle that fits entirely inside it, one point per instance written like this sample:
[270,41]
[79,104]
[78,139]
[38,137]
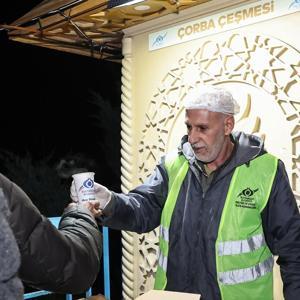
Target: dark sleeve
[281,222]
[63,261]
[140,210]
[10,285]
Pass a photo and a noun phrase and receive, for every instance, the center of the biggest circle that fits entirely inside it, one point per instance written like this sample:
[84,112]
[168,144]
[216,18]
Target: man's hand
[92,206]
[103,195]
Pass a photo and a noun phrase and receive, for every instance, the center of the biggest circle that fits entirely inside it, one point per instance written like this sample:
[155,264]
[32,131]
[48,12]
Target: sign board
[226,20]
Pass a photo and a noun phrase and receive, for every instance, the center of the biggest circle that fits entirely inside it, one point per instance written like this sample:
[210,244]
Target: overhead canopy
[88,27]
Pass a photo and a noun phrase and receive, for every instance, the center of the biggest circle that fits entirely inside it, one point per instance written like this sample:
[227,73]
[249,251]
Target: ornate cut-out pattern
[259,61]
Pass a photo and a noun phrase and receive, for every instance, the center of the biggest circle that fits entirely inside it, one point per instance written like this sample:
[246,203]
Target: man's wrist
[106,210]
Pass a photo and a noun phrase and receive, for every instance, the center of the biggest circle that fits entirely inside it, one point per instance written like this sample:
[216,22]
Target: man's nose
[193,137]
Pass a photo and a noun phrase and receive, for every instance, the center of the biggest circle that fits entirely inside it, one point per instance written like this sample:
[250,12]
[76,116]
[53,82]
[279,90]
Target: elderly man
[224,206]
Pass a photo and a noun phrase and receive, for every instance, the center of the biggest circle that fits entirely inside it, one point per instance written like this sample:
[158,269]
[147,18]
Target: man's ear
[228,124]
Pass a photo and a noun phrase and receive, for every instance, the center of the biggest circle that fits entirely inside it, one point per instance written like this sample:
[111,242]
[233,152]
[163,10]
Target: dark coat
[196,217]
[63,261]
[11,287]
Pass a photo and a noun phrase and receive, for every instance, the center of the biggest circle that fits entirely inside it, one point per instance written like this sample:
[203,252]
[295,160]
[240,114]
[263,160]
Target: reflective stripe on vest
[242,246]
[247,244]
[163,260]
[247,274]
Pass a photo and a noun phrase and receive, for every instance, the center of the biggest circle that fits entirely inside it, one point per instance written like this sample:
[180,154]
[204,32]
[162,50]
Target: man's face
[206,133]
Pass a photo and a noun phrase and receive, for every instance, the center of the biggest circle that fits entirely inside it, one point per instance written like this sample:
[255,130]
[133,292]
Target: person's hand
[94,207]
[103,195]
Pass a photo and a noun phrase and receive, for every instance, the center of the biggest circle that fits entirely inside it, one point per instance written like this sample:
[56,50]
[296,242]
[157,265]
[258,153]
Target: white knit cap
[211,98]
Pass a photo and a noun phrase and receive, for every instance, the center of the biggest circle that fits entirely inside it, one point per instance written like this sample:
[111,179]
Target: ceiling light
[120,3]
[142,7]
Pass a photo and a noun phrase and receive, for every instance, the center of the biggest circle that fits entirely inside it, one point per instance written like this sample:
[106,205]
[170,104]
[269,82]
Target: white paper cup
[84,185]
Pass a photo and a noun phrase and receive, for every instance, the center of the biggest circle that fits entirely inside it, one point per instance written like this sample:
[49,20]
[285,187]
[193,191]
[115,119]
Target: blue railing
[106,263]
[55,222]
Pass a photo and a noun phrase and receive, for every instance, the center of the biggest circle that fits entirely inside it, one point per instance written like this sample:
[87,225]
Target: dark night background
[60,112]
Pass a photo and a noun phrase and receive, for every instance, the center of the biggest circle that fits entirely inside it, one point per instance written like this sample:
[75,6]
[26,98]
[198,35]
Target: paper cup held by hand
[84,184]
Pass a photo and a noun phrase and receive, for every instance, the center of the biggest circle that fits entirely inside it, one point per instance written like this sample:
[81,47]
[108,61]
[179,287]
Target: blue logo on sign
[89,183]
[159,40]
[295,4]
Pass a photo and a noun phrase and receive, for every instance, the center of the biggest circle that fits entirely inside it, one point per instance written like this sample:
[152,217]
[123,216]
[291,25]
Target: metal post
[106,263]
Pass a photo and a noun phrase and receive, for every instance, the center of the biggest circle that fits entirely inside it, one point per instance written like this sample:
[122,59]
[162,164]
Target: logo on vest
[246,199]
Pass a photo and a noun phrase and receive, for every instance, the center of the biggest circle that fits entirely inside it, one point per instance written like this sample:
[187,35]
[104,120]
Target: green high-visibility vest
[244,261]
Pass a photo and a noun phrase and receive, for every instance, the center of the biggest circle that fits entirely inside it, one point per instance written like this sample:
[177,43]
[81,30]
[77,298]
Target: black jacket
[196,217]
[63,261]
